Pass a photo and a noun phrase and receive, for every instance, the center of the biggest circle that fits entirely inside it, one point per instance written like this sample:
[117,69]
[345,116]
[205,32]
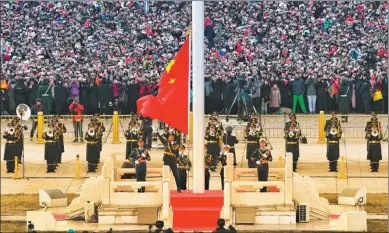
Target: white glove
[137,162]
[258,162]
[143,155]
[233,134]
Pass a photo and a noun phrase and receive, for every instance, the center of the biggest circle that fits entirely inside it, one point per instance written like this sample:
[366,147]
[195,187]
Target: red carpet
[196,212]
[59,217]
[334,216]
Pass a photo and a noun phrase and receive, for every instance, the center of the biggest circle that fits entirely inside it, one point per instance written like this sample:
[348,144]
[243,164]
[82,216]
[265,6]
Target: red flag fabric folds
[171,103]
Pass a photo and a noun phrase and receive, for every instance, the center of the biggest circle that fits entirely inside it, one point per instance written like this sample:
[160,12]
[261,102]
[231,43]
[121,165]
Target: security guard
[263,157]
[230,139]
[170,155]
[92,147]
[10,147]
[213,145]
[333,135]
[252,136]
[374,153]
[51,149]
[292,136]
[184,166]
[208,164]
[140,156]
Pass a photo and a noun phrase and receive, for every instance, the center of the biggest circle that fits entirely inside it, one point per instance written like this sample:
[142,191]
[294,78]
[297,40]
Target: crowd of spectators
[318,55]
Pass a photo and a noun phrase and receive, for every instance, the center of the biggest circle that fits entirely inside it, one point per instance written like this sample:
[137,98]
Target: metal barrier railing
[273,125]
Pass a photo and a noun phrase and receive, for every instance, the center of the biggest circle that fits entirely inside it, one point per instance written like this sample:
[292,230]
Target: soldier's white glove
[154,130]
[143,155]
[258,162]
[137,162]
[233,134]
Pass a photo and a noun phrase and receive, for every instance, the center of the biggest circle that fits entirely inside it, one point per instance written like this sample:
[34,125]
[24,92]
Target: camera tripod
[239,93]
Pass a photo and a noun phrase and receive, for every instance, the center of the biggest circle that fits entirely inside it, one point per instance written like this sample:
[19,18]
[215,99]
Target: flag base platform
[196,212]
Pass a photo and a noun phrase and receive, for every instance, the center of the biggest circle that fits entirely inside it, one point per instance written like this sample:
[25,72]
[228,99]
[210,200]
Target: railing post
[280,163]
[16,169]
[166,193]
[41,126]
[115,128]
[321,128]
[342,173]
[288,179]
[228,178]
[77,176]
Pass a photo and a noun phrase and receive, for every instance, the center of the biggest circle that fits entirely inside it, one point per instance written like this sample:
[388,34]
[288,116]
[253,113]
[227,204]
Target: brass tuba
[50,133]
[10,130]
[291,133]
[374,132]
[91,132]
[333,131]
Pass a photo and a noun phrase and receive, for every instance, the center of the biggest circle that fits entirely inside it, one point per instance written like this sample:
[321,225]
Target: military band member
[214,121]
[62,130]
[230,139]
[19,129]
[100,129]
[140,156]
[57,135]
[10,147]
[374,153]
[208,164]
[252,136]
[170,155]
[333,135]
[92,147]
[263,157]
[372,120]
[213,145]
[292,136]
[184,166]
[331,121]
[132,136]
[292,119]
[223,161]
[51,148]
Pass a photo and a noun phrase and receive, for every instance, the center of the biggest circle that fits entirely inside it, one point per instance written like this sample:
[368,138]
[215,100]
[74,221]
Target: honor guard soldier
[10,147]
[263,157]
[132,135]
[292,136]
[57,134]
[92,147]
[207,164]
[214,121]
[213,145]
[374,153]
[176,133]
[223,161]
[51,149]
[100,129]
[170,155]
[230,139]
[140,156]
[62,129]
[331,121]
[252,136]
[253,120]
[184,166]
[333,135]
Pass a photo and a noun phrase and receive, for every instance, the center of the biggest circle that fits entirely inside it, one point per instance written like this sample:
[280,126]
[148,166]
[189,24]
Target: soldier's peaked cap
[140,140]
[10,124]
[91,125]
[373,114]
[262,140]
[292,114]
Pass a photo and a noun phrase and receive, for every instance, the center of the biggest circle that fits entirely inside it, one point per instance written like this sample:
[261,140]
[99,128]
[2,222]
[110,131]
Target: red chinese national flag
[171,103]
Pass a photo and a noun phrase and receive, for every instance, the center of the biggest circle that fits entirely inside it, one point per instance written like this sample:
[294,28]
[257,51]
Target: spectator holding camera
[77,109]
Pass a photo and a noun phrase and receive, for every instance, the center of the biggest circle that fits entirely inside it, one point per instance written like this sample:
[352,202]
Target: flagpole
[198,96]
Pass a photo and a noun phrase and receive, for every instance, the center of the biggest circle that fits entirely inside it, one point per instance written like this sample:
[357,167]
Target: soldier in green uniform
[333,135]
[62,129]
[230,139]
[374,153]
[331,121]
[100,129]
[10,147]
[208,164]
[184,166]
[132,135]
[140,156]
[292,136]
[368,126]
[92,147]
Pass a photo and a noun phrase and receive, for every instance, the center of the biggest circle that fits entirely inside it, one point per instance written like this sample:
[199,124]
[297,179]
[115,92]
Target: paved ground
[312,163]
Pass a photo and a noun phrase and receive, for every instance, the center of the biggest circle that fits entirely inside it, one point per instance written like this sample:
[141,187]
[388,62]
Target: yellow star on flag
[172,80]
[171,63]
